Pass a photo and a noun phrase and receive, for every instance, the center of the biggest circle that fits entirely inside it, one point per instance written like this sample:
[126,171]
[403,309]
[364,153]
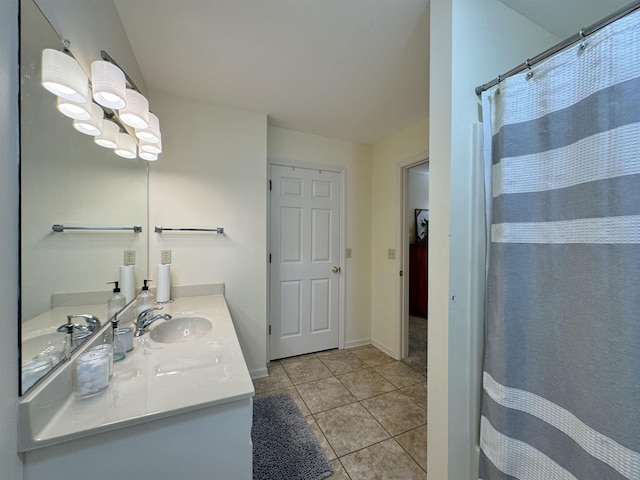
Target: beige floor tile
[365,383]
[276,380]
[322,440]
[399,374]
[324,394]
[340,363]
[396,412]
[306,370]
[415,443]
[294,395]
[372,356]
[338,471]
[382,461]
[350,428]
[417,393]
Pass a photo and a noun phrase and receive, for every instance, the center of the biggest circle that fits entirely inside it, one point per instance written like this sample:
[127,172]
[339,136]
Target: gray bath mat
[284,447]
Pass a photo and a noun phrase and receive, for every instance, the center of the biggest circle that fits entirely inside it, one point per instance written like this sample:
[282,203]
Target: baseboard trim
[259,373]
[381,346]
[357,343]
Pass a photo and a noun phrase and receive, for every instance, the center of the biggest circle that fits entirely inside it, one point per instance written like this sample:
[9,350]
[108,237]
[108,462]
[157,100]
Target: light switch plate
[392,254]
[348,253]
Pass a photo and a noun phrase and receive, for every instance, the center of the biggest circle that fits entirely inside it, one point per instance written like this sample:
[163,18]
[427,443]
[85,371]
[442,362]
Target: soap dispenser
[119,350]
[145,299]
[116,302]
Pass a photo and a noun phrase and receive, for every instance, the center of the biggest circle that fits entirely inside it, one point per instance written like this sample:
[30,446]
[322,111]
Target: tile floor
[367,410]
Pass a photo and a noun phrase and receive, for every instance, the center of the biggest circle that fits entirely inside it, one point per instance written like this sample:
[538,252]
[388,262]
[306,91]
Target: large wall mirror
[67,179]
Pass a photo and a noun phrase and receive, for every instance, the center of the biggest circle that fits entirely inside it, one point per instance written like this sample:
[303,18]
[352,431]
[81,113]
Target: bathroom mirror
[67,179]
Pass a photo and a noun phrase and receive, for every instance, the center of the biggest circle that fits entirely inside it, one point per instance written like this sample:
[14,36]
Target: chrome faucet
[93,322]
[145,320]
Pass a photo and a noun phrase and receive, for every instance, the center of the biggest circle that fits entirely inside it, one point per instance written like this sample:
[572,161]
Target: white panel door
[305,256]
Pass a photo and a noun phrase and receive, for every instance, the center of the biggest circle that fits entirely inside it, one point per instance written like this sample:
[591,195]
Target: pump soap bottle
[119,350]
[145,299]
[116,302]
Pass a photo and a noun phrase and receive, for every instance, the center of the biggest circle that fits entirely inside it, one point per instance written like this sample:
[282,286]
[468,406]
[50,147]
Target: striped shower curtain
[561,379]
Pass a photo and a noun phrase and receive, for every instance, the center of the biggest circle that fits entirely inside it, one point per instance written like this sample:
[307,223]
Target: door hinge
[269,329]
[401,273]
[270,185]
[269,258]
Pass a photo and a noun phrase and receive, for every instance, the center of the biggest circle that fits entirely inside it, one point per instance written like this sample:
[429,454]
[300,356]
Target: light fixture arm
[106,57]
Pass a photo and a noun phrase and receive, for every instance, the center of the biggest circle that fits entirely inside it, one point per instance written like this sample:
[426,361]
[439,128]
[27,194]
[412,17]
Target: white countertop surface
[158,380]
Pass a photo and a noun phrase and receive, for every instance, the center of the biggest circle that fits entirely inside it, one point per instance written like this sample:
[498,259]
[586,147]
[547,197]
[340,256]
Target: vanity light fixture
[63,76]
[109,136]
[75,110]
[136,112]
[126,146]
[93,125]
[154,148]
[109,84]
[148,156]
[151,134]
[116,97]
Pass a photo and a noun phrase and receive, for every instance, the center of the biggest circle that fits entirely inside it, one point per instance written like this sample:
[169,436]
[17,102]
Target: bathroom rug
[284,447]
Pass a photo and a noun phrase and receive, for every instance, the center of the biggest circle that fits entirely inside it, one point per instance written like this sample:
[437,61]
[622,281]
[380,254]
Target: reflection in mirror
[67,179]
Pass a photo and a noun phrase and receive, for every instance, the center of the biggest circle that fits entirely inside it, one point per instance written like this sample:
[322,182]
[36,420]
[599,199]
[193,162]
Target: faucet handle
[144,313]
[92,321]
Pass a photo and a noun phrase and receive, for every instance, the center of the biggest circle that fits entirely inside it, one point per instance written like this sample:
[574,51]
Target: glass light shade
[109,136]
[126,146]
[148,156]
[136,112]
[93,125]
[75,110]
[154,148]
[109,84]
[62,75]
[151,134]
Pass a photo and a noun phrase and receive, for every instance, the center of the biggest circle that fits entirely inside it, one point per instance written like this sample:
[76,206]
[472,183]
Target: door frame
[402,243]
[343,266]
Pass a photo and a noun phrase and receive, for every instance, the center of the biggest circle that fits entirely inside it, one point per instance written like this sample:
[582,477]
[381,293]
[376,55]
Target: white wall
[410,143]
[289,145]
[10,463]
[213,172]
[472,41]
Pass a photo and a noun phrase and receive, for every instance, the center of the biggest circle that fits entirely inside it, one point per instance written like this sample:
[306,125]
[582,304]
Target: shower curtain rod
[578,37]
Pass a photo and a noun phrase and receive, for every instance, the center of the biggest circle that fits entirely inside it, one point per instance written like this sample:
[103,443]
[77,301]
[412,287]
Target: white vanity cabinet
[172,410]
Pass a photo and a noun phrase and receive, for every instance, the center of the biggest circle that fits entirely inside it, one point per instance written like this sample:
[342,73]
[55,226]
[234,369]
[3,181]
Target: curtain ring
[530,72]
[583,38]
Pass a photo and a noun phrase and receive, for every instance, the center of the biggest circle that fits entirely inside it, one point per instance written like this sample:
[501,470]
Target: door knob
[335,269]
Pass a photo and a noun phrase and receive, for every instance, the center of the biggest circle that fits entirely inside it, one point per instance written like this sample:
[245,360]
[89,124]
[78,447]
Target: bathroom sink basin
[180,329]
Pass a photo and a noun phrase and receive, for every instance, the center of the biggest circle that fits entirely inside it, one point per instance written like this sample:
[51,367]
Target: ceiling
[563,18]
[349,69]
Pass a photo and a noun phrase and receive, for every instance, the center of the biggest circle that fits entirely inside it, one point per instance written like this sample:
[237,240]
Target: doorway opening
[415,248]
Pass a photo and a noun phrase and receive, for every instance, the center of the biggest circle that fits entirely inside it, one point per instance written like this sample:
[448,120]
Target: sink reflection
[180,329]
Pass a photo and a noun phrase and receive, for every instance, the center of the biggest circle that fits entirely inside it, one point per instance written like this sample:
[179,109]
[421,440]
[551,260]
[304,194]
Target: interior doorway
[415,248]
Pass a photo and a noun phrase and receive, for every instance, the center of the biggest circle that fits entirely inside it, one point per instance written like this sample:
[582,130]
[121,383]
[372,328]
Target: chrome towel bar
[218,230]
[61,228]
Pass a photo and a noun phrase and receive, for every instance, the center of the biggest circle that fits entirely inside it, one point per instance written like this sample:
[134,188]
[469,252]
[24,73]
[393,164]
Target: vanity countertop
[155,380]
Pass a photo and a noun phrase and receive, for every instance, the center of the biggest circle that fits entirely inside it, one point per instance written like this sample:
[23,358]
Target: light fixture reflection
[151,134]
[75,110]
[126,146]
[63,76]
[109,136]
[136,112]
[109,84]
[93,125]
